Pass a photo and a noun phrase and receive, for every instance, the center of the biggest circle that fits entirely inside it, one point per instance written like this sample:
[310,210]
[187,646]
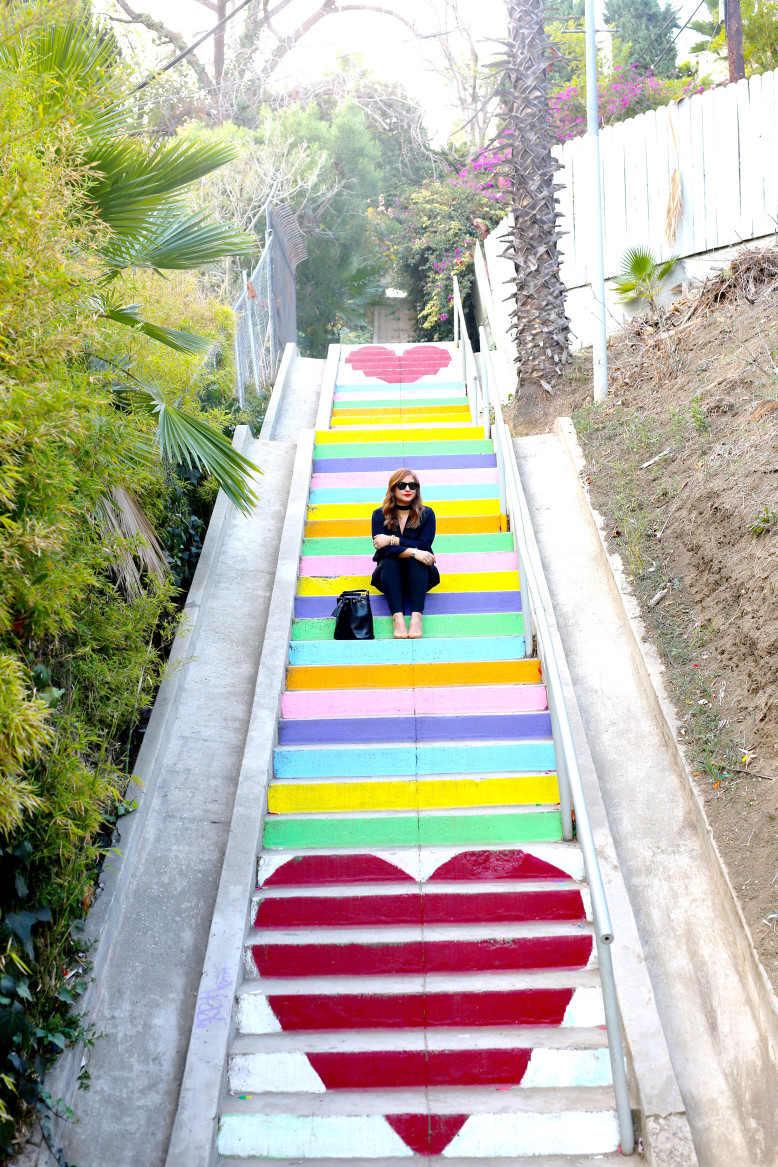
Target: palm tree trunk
[542,329]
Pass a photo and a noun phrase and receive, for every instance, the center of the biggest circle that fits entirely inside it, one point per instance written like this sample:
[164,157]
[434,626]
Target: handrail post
[563,780]
[615,1046]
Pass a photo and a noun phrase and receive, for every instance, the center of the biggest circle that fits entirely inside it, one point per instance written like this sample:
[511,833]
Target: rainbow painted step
[420,934]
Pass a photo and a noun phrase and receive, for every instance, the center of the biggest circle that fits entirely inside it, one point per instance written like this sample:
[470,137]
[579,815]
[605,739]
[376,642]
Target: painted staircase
[420,974]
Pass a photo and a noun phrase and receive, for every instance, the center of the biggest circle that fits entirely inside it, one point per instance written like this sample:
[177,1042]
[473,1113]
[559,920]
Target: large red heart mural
[425,1134]
[403,368]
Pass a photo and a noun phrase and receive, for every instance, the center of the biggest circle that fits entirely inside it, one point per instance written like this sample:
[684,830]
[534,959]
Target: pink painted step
[458,563]
[407,702]
[379,478]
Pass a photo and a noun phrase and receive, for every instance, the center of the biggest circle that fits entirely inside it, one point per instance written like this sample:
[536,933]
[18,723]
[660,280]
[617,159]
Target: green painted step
[464,624]
[401,449]
[412,830]
[358,545]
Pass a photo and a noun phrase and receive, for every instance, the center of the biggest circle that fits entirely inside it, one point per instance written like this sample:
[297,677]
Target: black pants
[401,578]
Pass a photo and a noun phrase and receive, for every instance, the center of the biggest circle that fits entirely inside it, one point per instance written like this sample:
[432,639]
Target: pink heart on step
[381,364]
[425,1134]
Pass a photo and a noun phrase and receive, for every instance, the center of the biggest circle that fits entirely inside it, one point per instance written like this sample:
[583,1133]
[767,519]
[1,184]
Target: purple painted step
[352,730]
[445,604]
[424,462]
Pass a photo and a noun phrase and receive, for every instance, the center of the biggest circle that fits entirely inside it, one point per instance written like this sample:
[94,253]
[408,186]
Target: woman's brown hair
[389,504]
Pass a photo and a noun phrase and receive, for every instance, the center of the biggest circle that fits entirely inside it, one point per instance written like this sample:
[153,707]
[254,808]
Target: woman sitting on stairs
[403,531]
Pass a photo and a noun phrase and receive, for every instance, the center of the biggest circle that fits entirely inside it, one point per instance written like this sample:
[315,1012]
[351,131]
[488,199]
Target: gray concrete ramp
[713,1007]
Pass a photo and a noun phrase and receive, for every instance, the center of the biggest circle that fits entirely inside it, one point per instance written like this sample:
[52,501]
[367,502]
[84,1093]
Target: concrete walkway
[146,996]
[717,1027]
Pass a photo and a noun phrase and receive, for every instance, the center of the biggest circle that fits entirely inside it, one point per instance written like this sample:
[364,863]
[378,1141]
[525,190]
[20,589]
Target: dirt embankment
[683,463]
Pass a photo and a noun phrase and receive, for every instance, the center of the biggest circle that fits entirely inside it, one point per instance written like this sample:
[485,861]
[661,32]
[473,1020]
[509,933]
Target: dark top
[412,538]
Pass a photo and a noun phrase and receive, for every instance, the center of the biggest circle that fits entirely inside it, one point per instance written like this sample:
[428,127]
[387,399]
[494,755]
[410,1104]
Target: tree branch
[171,36]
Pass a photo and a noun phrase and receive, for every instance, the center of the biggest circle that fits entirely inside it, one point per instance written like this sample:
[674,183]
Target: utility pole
[733,28]
[596,272]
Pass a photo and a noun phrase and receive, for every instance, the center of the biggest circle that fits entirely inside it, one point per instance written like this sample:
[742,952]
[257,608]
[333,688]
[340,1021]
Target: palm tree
[541,325]
[132,190]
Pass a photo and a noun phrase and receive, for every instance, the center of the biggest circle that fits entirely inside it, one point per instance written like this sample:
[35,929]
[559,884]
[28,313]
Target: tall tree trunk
[541,326]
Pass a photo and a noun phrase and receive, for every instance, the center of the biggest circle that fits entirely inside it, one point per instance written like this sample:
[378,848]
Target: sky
[386,46]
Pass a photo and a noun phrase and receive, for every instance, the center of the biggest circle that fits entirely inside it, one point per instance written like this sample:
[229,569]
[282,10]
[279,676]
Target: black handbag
[353,617]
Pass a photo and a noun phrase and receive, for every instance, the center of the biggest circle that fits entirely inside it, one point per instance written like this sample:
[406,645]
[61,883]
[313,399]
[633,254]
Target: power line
[187,52]
[675,38]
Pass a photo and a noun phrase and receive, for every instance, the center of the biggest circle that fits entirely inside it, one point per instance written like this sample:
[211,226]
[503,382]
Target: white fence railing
[724,143]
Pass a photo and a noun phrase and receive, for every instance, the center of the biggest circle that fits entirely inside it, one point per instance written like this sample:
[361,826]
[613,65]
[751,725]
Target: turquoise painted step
[383,760]
[392,387]
[401,450]
[465,624]
[397,652]
[358,545]
[352,494]
[398,403]
[412,830]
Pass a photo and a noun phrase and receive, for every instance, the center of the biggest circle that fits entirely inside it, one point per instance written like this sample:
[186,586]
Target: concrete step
[455,792]
[435,627]
[446,524]
[395,703]
[438,604]
[443,507]
[350,1003]
[576,1160]
[413,674]
[484,581]
[434,493]
[381,951]
[443,649]
[567,1124]
[429,416]
[399,449]
[449,757]
[315,1063]
[467,904]
[420,829]
[448,544]
[297,867]
[326,462]
[349,731]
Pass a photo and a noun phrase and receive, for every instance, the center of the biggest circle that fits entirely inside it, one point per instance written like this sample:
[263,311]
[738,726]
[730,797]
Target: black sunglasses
[406,486]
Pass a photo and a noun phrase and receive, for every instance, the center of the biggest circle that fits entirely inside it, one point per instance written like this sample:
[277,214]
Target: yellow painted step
[512,672]
[412,794]
[406,433]
[484,581]
[361,510]
[446,525]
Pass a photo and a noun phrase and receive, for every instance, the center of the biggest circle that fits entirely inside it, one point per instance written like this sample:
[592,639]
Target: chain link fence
[266,310]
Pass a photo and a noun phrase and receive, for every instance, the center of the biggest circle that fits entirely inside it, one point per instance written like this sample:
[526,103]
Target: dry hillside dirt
[683,463]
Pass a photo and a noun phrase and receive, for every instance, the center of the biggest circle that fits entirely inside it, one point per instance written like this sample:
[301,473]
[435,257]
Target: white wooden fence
[724,143]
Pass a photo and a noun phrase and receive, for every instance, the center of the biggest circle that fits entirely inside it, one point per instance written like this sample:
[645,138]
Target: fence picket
[727,142]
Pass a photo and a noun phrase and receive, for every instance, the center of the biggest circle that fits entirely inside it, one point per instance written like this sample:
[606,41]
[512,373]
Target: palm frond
[637,263]
[178,243]
[132,541]
[129,315]
[188,440]
[131,182]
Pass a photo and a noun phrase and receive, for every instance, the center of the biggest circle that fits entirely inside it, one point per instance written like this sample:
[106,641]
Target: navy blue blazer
[410,539]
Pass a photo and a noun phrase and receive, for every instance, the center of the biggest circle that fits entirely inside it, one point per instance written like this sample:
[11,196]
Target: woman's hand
[425,557]
[380,541]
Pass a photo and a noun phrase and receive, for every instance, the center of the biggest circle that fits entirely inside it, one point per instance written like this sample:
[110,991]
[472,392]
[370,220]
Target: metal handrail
[537,633]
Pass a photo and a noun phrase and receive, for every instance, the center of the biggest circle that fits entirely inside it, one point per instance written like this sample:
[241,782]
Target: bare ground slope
[683,462]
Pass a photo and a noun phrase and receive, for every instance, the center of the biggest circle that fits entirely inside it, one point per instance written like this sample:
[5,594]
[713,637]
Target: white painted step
[448,1100]
[597,1160]
[494,1135]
